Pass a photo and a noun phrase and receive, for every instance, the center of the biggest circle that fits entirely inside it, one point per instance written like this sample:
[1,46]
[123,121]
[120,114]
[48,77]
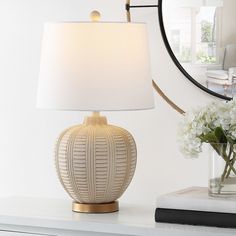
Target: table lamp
[95,66]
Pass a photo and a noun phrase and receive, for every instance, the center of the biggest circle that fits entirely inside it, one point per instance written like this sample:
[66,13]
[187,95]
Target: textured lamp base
[95,163]
[96,208]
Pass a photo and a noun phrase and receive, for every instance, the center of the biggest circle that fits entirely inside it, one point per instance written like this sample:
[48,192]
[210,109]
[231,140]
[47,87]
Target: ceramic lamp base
[95,163]
[95,208]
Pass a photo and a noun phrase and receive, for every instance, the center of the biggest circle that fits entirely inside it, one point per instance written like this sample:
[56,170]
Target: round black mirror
[200,37]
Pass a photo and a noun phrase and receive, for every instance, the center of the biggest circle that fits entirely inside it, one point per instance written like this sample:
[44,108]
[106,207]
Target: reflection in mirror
[202,35]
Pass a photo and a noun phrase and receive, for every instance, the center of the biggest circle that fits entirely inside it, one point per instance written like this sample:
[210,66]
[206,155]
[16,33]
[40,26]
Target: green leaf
[220,135]
[209,137]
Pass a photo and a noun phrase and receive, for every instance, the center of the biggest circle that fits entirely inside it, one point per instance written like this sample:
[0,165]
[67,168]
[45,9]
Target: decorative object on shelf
[214,124]
[95,66]
[194,206]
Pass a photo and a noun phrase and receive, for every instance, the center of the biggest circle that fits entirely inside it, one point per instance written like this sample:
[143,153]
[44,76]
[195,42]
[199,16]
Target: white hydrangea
[203,120]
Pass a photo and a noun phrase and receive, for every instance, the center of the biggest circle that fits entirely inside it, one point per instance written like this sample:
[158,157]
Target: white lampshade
[95,67]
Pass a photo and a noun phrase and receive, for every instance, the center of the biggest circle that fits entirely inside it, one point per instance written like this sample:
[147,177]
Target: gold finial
[95,16]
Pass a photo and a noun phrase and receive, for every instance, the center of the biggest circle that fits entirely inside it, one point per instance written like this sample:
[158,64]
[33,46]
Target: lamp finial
[95,16]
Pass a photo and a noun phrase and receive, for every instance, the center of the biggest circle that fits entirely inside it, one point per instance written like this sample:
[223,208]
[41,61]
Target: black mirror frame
[175,60]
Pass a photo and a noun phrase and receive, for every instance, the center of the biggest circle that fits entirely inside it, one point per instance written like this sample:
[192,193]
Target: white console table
[35,217]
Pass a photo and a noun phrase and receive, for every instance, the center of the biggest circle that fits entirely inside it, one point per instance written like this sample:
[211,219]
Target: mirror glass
[202,36]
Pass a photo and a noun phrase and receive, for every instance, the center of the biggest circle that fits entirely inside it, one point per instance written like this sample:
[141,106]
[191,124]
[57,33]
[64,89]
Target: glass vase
[222,174]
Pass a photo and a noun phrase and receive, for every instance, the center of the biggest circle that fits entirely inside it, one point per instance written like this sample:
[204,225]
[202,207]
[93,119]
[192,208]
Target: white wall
[228,22]
[28,135]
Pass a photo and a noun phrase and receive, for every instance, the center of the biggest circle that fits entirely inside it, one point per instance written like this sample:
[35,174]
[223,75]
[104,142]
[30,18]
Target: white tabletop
[130,220]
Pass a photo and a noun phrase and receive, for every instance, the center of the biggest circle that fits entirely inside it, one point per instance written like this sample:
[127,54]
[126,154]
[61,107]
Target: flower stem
[225,172]
[233,162]
[227,160]
[224,156]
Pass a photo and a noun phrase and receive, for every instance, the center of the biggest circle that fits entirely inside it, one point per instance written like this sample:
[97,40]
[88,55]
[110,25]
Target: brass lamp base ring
[95,208]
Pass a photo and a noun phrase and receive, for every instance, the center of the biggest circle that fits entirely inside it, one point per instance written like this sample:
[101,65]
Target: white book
[196,199]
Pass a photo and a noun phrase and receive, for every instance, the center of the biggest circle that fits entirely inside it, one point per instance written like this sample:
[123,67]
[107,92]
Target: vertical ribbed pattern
[95,163]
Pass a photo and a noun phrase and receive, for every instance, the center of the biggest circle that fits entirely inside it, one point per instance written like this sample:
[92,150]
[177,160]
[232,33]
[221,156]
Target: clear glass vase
[222,174]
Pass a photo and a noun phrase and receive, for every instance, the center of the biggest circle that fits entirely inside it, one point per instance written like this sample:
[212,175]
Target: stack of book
[193,206]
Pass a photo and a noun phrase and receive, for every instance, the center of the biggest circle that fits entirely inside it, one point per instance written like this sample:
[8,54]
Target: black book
[193,206]
[216,219]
